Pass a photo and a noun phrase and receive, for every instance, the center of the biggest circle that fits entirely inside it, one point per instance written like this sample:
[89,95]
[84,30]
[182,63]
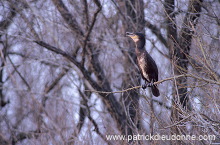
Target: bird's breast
[142,65]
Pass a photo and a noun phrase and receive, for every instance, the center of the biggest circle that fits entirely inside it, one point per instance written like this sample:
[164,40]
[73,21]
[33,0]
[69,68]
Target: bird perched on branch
[146,64]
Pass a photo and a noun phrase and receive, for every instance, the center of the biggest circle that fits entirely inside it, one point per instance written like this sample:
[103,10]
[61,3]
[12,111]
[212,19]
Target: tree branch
[161,81]
[86,39]
[112,104]
[156,32]
[22,78]
[138,87]
[68,17]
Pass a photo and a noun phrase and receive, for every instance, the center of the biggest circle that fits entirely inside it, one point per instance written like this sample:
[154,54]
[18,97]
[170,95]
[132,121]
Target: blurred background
[64,61]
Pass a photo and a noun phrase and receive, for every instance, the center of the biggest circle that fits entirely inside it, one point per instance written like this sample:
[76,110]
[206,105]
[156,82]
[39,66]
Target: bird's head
[136,36]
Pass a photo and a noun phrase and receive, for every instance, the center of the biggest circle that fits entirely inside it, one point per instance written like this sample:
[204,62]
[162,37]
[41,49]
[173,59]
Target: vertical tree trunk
[3,27]
[179,47]
[135,23]
[135,11]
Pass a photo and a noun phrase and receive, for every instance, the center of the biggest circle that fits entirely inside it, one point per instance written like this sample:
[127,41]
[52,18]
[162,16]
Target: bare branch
[156,32]
[22,78]
[161,81]
[68,17]
[112,104]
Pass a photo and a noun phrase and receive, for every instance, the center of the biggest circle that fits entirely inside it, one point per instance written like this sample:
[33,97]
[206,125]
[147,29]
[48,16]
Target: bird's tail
[155,91]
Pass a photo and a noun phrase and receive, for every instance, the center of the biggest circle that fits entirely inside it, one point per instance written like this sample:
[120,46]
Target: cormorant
[146,64]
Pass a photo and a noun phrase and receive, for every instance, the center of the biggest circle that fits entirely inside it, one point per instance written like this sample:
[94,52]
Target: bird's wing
[151,69]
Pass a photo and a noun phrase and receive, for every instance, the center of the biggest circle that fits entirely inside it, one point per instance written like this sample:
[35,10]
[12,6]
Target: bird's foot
[151,84]
[147,84]
[144,86]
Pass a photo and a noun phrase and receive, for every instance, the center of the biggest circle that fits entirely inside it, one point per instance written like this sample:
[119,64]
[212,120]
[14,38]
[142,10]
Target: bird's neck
[139,47]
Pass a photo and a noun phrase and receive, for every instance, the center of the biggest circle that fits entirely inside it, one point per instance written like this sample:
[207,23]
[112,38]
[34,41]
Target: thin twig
[22,78]
[159,82]
[86,39]
[137,87]
[178,122]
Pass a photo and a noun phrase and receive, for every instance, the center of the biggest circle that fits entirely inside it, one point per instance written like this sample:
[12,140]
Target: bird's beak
[133,36]
[129,34]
